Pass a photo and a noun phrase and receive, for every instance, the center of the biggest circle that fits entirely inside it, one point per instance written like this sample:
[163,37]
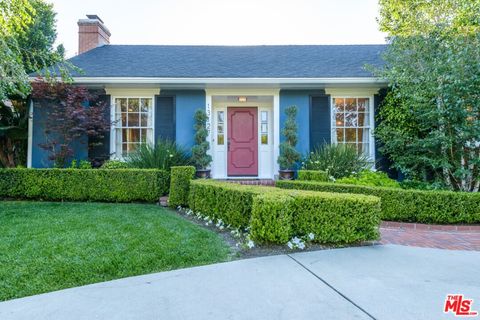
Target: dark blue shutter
[381,162]
[320,123]
[100,150]
[165,117]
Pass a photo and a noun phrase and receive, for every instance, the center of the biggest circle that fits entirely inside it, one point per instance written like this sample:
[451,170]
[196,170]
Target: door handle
[228,144]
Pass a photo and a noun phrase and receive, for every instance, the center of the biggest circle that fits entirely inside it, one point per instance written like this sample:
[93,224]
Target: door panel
[242,141]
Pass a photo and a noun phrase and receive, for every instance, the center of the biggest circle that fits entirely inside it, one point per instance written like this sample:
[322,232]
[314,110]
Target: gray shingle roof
[299,61]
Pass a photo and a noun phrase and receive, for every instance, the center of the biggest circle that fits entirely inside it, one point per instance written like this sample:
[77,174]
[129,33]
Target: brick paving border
[431,236]
[434,227]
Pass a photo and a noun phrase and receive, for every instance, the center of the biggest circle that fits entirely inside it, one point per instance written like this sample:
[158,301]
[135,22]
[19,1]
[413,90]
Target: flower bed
[274,215]
[443,207]
[119,185]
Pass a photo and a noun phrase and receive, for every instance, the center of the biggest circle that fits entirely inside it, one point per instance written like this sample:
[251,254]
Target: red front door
[242,142]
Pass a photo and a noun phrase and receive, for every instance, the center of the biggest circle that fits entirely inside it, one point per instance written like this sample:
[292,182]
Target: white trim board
[227,81]
[30,135]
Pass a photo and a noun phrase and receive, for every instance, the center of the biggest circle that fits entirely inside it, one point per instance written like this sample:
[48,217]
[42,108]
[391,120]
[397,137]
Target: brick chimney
[92,33]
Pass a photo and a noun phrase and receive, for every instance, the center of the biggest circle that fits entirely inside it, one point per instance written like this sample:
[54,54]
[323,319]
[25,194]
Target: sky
[223,22]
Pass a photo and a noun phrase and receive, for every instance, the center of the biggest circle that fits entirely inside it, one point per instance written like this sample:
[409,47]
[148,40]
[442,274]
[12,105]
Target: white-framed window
[352,123]
[133,123]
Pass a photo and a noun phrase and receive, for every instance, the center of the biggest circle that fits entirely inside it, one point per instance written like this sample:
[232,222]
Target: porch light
[242,99]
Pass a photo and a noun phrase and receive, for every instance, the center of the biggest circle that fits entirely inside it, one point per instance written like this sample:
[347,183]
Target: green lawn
[50,246]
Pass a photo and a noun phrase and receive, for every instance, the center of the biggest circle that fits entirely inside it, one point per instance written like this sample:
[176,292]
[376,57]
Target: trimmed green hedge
[272,218]
[230,202]
[275,215]
[336,218]
[331,217]
[443,207]
[119,185]
[314,175]
[180,185]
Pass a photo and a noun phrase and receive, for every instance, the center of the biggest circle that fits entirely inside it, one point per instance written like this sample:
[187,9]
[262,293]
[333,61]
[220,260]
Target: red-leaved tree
[73,115]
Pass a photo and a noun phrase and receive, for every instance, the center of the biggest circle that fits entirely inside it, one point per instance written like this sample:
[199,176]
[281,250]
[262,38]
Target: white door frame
[267,154]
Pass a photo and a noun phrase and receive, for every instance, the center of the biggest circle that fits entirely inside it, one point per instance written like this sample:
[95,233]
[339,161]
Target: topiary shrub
[180,185]
[200,157]
[120,185]
[314,175]
[288,154]
[338,160]
[370,178]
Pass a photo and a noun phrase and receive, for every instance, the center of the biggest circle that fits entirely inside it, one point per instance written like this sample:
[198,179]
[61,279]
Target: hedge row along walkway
[431,236]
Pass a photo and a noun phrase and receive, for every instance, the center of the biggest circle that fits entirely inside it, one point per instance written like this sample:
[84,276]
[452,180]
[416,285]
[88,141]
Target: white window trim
[113,127]
[371,119]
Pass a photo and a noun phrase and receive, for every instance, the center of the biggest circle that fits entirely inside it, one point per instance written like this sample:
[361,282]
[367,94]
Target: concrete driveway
[377,282]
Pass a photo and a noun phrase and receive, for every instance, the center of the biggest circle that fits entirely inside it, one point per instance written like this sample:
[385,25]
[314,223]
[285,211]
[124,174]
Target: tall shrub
[337,160]
[288,154]
[430,123]
[199,151]
[163,155]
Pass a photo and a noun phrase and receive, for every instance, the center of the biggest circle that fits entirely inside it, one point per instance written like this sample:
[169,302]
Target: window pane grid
[133,123]
[220,127]
[264,127]
[350,122]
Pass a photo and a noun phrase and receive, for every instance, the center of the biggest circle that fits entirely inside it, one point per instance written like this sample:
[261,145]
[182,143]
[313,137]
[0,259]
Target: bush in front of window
[370,178]
[338,160]
[180,185]
[163,155]
[314,175]
[114,164]
[443,207]
[120,185]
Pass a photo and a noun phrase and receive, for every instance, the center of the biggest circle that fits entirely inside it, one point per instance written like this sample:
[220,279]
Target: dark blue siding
[39,155]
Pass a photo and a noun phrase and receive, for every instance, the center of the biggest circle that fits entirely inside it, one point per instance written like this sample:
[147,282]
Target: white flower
[250,244]
[290,245]
[296,240]
[171,156]
[311,236]
[301,245]
[332,178]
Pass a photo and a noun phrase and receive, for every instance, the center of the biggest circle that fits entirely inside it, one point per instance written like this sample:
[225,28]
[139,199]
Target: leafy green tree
[430,121]
[288,154]
[15,18]
[27,37]
[37,42]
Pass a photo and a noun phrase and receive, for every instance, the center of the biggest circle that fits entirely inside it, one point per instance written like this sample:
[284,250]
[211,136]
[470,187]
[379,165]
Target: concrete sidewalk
[379,282]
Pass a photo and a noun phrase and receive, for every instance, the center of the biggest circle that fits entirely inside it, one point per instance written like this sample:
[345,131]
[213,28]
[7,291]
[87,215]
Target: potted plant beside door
[289,156]
[200,157]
